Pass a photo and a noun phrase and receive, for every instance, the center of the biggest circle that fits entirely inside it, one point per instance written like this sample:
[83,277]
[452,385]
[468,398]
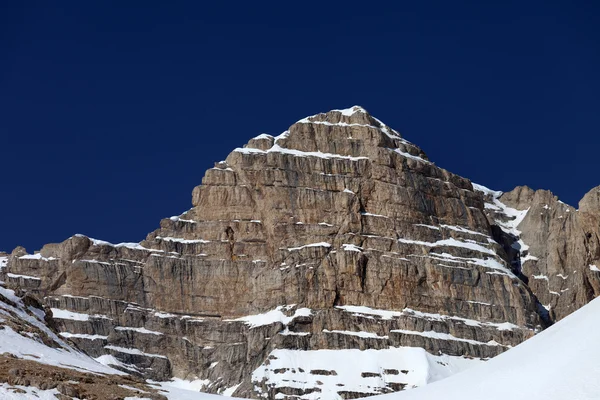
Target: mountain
[334,260]
[556,364]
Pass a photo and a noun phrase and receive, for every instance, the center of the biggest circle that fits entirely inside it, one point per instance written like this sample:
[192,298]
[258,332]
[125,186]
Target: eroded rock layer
[332,261]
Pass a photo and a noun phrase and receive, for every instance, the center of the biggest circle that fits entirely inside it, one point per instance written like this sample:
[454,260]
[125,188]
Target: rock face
[559,250]
[332,261]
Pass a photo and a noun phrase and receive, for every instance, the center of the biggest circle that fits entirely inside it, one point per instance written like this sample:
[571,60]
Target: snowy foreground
[560,363]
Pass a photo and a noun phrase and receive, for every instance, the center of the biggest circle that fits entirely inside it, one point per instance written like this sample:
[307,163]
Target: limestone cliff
[334,260]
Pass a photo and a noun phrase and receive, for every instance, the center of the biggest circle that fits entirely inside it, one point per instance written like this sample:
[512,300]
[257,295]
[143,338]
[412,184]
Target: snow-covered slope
[559,363]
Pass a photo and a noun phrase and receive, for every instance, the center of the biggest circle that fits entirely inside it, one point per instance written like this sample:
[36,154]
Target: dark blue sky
[110,114]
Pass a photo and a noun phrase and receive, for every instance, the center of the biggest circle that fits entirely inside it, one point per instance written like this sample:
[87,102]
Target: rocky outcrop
[36,363]
[557,249]
[333,259]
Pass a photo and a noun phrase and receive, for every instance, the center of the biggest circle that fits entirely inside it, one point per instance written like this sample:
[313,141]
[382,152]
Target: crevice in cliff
[512,255]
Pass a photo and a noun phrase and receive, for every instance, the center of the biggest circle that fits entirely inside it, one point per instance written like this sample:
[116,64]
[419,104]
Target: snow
[138,330]
[296,153]
[451,242]
[362,311]
[177,218]
[462,229]
[23,276]
[556,364]
[320,244]
[365,335]
[486,191]
[230,390]
[18,392]
[429,226]
[30,349]
[446,257]
[348,191]
[407,155]
[3,262]
[292,369]
[594,268]
[367,311]
[351,247]
[179,389]
[273,316]
[510,227]
[36,256]
[374,215]
[160,314]
[504,326]
[133,246]
[66,314]
[263,136]
[69,335]
[128,350]
[444,336]
[351,111]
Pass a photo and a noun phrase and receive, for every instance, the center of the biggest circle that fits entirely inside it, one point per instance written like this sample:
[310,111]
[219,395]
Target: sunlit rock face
[332,261]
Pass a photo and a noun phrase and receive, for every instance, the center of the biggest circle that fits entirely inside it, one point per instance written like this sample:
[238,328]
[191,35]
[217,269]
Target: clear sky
[111,113]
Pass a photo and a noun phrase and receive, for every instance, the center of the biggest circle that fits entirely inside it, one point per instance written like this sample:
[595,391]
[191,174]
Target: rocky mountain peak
[305,249]
[346,133]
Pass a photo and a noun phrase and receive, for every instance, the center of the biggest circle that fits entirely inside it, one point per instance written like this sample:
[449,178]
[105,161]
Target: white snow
[179,389]
[69,335]
[503,326]
[444,336]
[22,276]
[351,111]
[320,244]
[362,311]
[594,268]
[361,334]
[133,246]
[462,229]
[273,316]
[510,227]
[18,392]
[407,155]
[160,314]
[351,247]
[230,390]
[3,262]
[32,348]
[66,314]
[451,242]
[296,153]
[177,218]
[36,256]
[420,368]
[263,136]
[557,364]
[129,350]
[138,330]
[436,228]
